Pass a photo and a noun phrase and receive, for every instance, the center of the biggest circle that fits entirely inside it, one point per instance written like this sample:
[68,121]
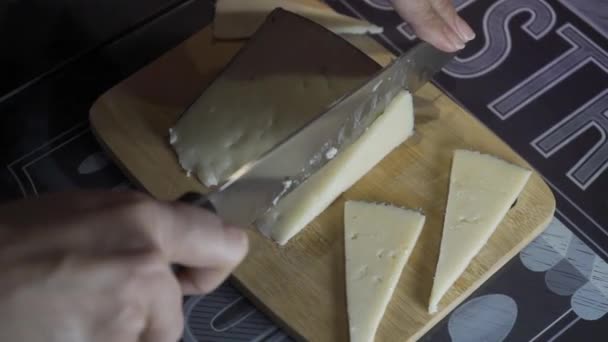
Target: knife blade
[256,187]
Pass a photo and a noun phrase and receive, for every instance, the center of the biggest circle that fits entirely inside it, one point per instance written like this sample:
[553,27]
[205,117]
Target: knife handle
[198,200]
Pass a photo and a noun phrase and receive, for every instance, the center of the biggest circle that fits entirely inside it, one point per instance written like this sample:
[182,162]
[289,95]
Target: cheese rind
[309,199]
[482,190]
[378,240]
[236,19]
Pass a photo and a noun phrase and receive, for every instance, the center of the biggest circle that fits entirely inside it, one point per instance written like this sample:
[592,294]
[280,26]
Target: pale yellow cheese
[309,199]
[482,190]
[241,18]
[378,240]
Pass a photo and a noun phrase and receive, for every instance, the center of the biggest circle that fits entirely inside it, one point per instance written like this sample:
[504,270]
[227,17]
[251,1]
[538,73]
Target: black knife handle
[198,200]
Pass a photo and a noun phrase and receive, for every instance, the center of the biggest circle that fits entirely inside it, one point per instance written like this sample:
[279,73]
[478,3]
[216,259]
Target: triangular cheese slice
[309,199]
[236,19]
[378,240]
[482,190]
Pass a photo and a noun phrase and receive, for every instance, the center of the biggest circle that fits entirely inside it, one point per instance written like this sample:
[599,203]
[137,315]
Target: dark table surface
[537,75]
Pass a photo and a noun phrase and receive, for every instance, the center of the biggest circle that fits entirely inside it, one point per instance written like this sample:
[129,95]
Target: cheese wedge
[309,199]
[214,137]
[378,240]
[482,190]
[235,19]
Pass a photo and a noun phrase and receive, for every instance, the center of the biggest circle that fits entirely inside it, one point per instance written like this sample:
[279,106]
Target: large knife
[257,187]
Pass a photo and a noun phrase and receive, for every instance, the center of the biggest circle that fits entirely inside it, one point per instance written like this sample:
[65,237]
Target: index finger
[195,237]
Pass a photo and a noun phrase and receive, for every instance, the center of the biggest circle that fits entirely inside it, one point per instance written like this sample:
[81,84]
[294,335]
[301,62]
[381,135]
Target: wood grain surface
[302,285]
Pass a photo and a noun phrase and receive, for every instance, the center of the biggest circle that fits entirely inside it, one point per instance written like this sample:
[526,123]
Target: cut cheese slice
[309,199]
[482,190]
[378,240]
[235,19]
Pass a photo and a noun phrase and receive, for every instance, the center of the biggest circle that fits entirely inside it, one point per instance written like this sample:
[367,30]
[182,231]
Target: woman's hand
[95,266]
[436,21]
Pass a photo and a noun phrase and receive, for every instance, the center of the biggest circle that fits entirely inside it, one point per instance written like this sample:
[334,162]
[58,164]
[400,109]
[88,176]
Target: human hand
[436,21]
[95,266]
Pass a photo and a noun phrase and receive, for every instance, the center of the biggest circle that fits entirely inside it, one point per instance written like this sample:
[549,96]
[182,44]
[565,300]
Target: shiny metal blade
[258,186]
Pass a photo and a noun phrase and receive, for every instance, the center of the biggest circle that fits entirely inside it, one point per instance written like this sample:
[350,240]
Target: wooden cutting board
[302,285]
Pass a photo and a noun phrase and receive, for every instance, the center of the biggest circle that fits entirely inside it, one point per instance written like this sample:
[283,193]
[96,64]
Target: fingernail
[452,38]
[464,30]
[458,44]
